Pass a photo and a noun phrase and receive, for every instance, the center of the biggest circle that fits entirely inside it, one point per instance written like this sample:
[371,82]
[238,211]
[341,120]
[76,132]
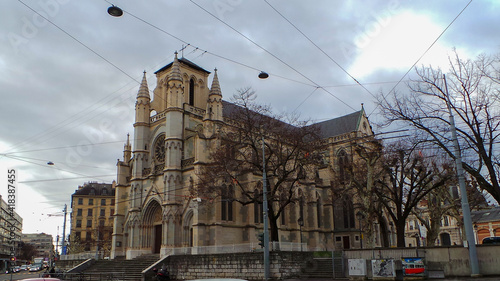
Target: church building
[171,142]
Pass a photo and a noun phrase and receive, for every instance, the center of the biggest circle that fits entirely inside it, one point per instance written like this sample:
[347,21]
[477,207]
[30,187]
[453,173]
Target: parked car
[35,267]
[492,240]
[24,267]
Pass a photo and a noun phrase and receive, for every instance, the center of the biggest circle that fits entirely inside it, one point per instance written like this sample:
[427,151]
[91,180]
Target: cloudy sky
[69,72]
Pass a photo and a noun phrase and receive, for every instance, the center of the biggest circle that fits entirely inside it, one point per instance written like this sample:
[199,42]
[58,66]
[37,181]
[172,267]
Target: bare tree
[356,178]
[27,251]
[408,178]
[235,171]
[473,95]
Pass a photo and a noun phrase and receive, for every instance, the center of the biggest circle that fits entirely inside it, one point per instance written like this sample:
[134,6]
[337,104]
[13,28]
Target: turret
[173,131]
[142,102]
[127,150]
[214,103]
[141,128]
[175,86]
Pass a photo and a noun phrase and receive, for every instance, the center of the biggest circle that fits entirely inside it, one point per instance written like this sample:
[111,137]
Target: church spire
[214,102]
[215,89]
[127,150]
[143,89]
[176,71]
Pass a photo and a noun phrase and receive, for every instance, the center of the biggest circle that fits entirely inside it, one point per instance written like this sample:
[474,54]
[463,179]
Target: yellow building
[93,207]
[173,132]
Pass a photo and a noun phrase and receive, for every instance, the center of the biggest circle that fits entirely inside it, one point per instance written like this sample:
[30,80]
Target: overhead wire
[271,54]
[319,48]
[423,54]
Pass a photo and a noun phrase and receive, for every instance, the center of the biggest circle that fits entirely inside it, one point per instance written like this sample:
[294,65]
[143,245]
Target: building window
[112,212]
[78,236]
[91,201]
[344,167]
[318,210]
[104,191]
[103,202]
[80,201]
[103,212]
[191,92]
[258,212]
[227,203]
[301,205]
[78,223]
[89,212]
[79,212]
[92,191]
[89,223]
[88,237]
[101,223]
[113,201]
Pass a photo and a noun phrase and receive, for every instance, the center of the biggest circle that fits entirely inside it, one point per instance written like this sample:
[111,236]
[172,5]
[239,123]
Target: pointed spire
[143,89]
[176,71]
[215,89]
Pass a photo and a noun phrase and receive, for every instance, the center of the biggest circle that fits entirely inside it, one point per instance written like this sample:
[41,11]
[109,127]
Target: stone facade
[174,132]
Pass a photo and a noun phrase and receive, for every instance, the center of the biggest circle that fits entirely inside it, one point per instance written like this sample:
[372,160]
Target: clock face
[159,149]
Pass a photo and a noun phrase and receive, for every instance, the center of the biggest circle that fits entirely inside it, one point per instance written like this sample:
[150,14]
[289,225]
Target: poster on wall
[357,267]
[383,268]
[413,267]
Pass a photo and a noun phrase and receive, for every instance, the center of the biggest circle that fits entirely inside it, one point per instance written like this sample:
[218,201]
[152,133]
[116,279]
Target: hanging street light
[263,75]
[115,11]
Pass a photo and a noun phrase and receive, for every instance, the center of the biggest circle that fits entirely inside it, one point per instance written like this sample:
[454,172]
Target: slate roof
[489,215]
[186,62]
[97,187]
[330,128]
[341,125]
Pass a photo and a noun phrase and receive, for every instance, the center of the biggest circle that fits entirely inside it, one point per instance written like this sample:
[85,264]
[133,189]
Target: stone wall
[249,266]
[453,261]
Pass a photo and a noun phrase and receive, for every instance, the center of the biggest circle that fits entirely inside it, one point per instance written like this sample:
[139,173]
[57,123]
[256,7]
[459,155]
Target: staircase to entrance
[128,270]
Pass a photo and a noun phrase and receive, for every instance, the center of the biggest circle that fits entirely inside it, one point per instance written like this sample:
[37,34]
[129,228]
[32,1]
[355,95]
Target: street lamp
[115,11]
[360,217]
[301,224]
[263,75]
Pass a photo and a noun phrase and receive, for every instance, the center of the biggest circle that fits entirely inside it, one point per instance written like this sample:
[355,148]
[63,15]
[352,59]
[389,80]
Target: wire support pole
[265,216]
[469,233]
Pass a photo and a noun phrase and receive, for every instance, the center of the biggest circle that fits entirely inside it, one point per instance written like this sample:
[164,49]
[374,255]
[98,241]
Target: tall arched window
[318,209]
[191,92]
[344,166]
[301,205]
[258,212]
[227,203]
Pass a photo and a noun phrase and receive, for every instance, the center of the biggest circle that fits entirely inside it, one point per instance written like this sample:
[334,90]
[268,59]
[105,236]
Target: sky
[69,72]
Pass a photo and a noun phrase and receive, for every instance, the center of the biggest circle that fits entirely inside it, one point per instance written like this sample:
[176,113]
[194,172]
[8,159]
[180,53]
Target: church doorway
[157,239]
[152,231]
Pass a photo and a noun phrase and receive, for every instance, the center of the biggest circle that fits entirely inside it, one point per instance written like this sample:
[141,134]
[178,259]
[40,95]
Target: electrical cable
[425,52]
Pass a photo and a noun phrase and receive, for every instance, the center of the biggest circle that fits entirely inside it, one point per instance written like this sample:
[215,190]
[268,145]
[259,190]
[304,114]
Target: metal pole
[63,252]
[469,233]
[264,205]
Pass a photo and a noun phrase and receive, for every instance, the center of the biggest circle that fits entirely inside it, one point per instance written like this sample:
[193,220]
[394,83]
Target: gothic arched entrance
[152,226]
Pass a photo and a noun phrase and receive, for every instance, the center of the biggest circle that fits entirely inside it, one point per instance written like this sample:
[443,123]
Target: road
[20,275]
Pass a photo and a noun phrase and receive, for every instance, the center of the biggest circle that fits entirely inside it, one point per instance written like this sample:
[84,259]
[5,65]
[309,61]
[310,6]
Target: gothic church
[171,141]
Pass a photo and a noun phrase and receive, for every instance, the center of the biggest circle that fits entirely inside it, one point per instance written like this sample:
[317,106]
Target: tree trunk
[400,234]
